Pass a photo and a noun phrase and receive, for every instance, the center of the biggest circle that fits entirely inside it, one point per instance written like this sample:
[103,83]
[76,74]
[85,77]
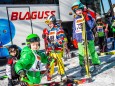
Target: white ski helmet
[98,17]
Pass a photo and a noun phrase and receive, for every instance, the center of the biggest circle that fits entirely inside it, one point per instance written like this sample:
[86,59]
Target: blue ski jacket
[77,28]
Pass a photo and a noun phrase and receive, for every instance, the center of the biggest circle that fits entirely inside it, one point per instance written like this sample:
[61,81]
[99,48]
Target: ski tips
[80,81]
[84,80]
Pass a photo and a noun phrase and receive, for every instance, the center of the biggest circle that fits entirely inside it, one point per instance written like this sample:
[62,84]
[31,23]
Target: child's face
[99,21]
[13,53]
[51,24]
[79,12]
[35,45]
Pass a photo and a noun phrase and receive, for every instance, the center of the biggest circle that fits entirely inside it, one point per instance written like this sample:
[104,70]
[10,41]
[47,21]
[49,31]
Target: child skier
[32,60]
[101,28]
[78,8]
[14,56]
[55,44]
[65,44]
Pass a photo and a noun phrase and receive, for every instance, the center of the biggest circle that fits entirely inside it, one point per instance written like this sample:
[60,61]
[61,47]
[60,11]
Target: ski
[68,82]
[107,53]
[85,43]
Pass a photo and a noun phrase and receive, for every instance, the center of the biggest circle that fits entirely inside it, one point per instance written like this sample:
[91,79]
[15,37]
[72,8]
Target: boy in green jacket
[32,60]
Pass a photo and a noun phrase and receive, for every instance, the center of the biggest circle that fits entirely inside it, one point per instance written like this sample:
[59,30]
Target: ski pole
[59,62]
[85,48]
[58,59]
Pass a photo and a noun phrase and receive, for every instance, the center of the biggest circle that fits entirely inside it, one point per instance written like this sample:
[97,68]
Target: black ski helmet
[12,48]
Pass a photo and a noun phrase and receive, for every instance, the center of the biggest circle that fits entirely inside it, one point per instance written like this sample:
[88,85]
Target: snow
[106,76]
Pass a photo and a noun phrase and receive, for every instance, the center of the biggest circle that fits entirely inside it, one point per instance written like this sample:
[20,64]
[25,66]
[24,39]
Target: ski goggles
[47,21]
[36,39]
[74,8]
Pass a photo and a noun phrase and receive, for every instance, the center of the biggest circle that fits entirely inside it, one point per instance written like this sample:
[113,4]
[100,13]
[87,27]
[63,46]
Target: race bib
[79,25]
[38,65]
[100,29]
[52,36]
[80,20]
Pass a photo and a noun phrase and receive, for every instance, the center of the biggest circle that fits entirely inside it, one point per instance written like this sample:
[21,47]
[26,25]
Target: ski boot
[83,73]
[96,70]
[73,55]
[10,82]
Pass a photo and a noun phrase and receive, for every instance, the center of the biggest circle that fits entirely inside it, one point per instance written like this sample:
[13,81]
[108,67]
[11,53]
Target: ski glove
[49,59]
[22,73]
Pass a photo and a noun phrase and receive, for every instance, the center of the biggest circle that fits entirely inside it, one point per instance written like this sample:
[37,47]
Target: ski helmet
[50,19]
[32,38]
[98,17]
[77,5]
[13,48]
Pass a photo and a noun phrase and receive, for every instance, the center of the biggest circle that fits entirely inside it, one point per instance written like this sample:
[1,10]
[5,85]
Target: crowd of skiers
[29,62]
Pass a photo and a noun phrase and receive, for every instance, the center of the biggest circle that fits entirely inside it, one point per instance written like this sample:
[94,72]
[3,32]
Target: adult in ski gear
[55,44]
[101,30]
[14,53]
[32,59]
[78,8]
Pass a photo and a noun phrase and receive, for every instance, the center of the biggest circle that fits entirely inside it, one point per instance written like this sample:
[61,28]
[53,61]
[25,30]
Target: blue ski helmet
[77,5]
